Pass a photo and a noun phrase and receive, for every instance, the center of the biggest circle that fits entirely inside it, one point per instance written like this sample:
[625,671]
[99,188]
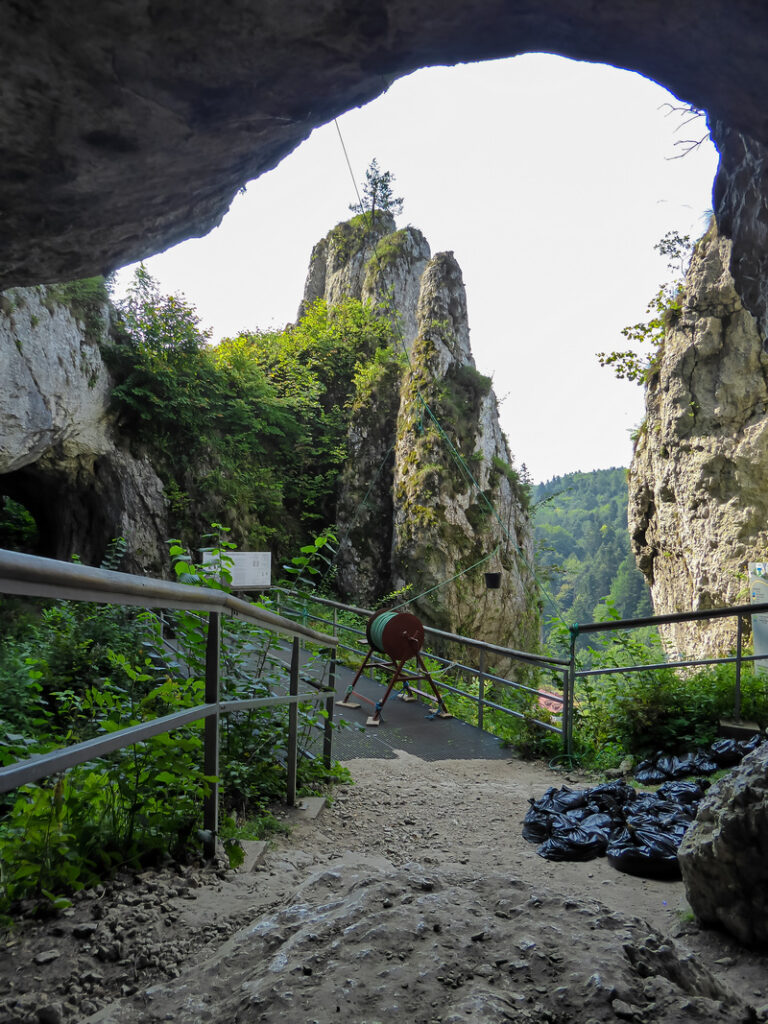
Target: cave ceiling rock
[128,127]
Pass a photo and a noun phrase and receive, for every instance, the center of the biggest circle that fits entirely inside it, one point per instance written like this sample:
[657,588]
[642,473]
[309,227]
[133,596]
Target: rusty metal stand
[396,668]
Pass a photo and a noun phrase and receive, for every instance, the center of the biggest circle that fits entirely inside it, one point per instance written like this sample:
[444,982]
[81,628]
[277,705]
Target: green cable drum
[398,634]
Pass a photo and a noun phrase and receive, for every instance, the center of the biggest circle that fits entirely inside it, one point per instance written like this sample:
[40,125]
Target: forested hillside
[583,546]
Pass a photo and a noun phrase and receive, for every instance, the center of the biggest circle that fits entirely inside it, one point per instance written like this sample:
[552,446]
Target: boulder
[724,855]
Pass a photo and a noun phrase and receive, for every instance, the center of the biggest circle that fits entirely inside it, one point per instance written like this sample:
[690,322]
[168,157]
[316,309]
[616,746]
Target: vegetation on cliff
[251,432]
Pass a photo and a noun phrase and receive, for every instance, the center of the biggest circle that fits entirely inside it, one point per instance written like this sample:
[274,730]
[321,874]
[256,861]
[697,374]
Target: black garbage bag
[662,811]
[704,763]
[598,822]
[674,767]
[645,851]
[727,752]
[563,799]
[649,773]
[752,743]
[612,797]
[673,826]
[538,823]
[574,842]
[612,792]
[683,792]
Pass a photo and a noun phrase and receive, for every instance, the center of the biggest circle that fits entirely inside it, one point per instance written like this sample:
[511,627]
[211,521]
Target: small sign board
[758,594]
[251,570]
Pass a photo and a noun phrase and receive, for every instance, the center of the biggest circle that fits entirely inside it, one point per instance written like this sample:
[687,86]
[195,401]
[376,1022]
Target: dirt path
[435,842]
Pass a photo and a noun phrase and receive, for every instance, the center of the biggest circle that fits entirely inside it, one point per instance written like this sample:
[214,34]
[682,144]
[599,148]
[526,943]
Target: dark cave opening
[45,512]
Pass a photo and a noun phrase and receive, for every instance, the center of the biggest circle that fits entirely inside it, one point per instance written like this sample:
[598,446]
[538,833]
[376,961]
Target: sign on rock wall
[758,594]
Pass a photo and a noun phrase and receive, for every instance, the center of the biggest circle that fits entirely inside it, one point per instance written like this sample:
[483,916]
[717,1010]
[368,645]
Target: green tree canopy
[251,432]
[377,192]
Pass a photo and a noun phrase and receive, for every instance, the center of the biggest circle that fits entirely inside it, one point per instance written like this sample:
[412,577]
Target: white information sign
[758,594]
[252,570]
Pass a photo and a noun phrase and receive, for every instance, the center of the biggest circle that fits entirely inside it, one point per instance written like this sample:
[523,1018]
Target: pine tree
[377,192]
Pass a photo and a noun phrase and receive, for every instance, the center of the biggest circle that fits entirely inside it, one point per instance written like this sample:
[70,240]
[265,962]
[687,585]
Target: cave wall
[59,452]
[128,127]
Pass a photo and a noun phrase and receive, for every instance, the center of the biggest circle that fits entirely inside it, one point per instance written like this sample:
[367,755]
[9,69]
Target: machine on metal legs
[399,636]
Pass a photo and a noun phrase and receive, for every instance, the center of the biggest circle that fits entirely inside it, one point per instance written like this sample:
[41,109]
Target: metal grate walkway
[404,726]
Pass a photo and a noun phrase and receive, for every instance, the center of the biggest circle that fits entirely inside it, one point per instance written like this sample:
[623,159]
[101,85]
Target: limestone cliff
[698,500]
[58,451]
[429,490]
[371,261]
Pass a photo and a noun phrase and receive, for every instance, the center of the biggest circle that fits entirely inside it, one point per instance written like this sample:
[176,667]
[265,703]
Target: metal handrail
[467,641]
[558,665]
[568,667]
[669,617]
[33,576]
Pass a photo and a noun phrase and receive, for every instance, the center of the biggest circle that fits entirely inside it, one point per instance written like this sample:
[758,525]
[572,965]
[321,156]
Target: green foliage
[317,366]
[80,670]
[350,236]
[253,430]
[377,192]
[645,710]
[305,564]
[583,546]
[18,530]
[639,363]
[520,481]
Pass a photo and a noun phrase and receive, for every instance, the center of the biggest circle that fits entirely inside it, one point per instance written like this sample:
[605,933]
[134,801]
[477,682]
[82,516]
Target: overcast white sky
[550,180]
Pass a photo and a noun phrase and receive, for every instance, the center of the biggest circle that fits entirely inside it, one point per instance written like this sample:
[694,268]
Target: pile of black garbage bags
[638,832]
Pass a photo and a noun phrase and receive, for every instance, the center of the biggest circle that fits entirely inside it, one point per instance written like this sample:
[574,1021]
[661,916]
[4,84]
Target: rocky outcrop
[698,504]
[366,258]
[129,127]
[429,500]
[724,855]
[386,942]
[458,505]
[739,201]
[58,452]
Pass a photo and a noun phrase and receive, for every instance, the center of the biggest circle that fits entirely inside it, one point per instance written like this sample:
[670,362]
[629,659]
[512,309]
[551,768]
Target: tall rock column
[366,258]
[449,512]
[698,483]
[429,490]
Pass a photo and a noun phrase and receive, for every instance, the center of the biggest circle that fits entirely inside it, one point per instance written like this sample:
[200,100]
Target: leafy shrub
[83,670]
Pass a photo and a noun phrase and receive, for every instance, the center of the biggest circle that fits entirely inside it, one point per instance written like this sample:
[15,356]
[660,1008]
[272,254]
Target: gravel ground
[412,897]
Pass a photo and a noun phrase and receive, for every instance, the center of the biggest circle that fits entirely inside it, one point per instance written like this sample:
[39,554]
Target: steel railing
[739,612]
[566,669]
[301,606]
[32,576]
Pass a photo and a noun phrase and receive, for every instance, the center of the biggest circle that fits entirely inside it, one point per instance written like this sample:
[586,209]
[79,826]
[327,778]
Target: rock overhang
[129,127]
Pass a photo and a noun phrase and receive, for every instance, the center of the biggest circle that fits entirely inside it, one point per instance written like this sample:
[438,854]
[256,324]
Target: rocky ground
[412,898]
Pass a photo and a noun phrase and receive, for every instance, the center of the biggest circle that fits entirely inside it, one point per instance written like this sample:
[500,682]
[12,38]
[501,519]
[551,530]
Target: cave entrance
[45,512]
[550,180]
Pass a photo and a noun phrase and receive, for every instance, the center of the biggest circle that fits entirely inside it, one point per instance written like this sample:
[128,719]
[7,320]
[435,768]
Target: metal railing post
[329,703]
[564,722]
[481,692]
[570,686]
[293,726]
[737,694]
[211,733]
